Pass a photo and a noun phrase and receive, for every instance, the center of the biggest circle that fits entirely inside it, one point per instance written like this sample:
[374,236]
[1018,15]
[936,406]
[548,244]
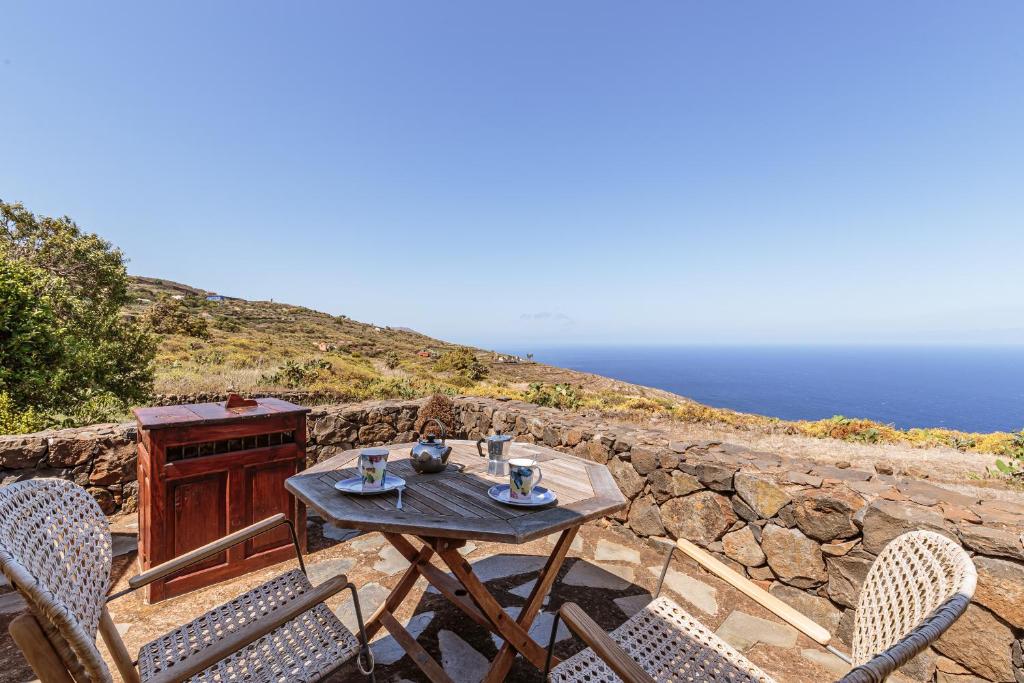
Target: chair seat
[670,645]
[306,648]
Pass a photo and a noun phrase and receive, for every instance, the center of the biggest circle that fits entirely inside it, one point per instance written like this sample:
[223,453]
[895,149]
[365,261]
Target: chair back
[55,549]
[918,586]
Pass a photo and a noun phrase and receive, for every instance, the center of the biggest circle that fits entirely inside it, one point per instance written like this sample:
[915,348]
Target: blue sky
[534,173]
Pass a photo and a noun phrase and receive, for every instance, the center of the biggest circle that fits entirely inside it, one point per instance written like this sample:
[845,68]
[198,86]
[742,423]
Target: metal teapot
[428,455]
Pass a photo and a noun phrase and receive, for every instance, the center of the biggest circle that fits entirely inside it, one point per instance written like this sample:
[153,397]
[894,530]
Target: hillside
[264,346]
[254,346]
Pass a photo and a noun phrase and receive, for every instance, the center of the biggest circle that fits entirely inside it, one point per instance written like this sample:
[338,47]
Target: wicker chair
[917,587]
[55,548]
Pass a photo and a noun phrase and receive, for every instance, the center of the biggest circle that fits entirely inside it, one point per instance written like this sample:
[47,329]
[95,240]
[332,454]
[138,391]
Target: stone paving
[609,572]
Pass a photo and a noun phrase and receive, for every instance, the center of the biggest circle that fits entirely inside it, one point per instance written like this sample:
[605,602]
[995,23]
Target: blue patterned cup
[373,467]
[523,475]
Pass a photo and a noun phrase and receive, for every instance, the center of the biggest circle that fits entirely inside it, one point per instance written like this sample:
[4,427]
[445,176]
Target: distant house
[214,297]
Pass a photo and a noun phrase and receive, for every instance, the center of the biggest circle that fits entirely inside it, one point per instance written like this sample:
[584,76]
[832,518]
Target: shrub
[391,360]
[439,408]
[563,396]
[462,362]
[1013,466]
[293,375]
[14,421]
[172,316]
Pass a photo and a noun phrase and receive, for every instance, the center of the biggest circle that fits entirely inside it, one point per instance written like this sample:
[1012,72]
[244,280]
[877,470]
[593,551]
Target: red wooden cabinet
[206,470]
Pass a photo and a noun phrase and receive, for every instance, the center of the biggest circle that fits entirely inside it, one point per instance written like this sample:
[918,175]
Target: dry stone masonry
[808,532]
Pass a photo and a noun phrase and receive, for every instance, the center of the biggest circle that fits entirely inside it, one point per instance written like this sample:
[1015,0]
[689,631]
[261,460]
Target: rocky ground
[610,574]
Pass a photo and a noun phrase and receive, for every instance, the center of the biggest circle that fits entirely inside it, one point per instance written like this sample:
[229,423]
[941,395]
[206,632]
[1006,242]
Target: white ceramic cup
[373,466]
[523,475]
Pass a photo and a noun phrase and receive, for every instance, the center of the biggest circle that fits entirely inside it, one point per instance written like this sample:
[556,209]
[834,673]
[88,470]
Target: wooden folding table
[447,509]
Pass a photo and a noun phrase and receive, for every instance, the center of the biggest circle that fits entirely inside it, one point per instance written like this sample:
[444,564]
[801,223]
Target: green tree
[65,346]
[33,342]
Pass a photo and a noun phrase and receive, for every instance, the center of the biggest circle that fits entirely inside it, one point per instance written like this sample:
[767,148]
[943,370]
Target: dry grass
[258,346]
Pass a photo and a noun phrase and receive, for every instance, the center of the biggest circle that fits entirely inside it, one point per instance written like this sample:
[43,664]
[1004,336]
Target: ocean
[978,389]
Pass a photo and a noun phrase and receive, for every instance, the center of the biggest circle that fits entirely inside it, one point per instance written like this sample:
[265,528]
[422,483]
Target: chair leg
[664,570]
[38,651]
[551,644]
[364,642]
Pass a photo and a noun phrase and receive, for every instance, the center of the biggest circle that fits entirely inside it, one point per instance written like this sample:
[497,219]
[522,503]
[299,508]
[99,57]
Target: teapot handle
[479,450]
[441,425]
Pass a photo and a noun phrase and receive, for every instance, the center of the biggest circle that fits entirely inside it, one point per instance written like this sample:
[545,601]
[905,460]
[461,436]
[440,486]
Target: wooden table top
[188,415]
[454,504]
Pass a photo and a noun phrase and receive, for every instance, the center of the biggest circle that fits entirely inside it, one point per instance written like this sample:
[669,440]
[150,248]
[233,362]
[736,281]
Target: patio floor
[609,574]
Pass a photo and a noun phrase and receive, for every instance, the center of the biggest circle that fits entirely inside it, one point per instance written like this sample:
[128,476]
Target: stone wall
[806,531]
[101,458]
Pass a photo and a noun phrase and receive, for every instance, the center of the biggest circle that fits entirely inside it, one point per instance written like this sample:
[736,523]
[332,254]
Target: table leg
[402,588]
[512,632]
[446,585]
[503,662]
[467,592]
[421,657]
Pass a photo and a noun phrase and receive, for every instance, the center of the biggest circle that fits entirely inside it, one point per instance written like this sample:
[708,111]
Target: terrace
[806,531]
[609,573]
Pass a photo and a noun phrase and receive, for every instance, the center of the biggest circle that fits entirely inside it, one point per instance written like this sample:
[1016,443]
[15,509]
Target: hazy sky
[536,172]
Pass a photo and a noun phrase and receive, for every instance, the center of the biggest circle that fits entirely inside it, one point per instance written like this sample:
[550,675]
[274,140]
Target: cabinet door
[265,495]
[198,515]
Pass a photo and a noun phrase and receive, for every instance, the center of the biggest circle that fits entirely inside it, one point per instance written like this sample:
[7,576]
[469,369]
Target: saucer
[538,497]
[354,485]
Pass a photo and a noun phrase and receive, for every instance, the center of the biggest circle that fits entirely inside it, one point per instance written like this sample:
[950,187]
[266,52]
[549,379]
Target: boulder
[700,517]
[921,667]
[599,452]
[884,520]
[684,484]
[744,511]
[628,481]
[572,437]
[21,451]
[827,514]
[1001,588]
[668,460]
[763,495]
[333,429]
[797,477]
[846,575]
[660,482]
[992,541]
[980,642]
[68,448]
[817,609]
[712,475]
[740,545]
[623,443]
[645,460]
[793,557]
[839,548]
[115,463]
[378,432]
[644,517]
[105,499]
